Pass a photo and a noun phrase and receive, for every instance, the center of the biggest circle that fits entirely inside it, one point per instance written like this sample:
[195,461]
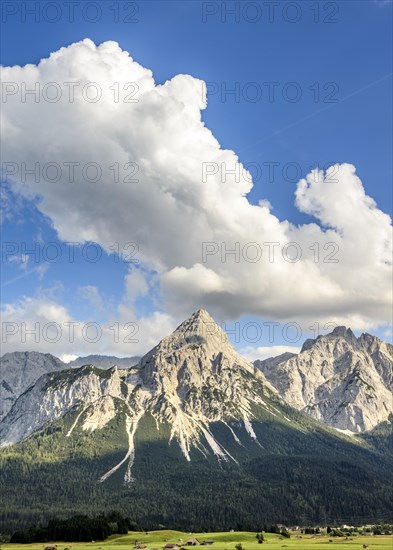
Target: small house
[171,547]
[193,542]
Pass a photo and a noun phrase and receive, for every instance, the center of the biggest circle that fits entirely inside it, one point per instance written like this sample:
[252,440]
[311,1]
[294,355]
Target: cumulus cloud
[43,324]
[152,147]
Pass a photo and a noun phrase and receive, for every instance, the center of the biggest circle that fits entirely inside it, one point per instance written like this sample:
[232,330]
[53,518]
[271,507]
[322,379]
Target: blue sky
[337,62]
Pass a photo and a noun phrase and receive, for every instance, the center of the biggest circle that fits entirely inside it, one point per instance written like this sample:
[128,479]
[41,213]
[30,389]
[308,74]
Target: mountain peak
[201,313]
[337,332]
[346,334]
[342,331]
[366,338]
[200,328]
[201,316]
[337,378]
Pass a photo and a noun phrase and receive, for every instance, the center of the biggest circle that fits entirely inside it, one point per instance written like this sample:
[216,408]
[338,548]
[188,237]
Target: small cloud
[67,358]
[41,270]
[92,295]
[22,260]
[264,352]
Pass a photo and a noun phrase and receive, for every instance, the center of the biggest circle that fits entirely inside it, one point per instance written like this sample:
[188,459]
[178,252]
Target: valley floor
[156,540]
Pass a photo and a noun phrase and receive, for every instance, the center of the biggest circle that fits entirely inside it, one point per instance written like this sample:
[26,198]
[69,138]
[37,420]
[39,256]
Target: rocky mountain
[190,380]
[104,361]
[193,425]
[343,381]
[19,370]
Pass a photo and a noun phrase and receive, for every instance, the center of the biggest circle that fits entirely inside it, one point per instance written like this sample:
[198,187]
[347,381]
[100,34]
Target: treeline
[76,529]
[334,482]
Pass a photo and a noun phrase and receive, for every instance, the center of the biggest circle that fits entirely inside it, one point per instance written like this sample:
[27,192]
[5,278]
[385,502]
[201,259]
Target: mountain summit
[192,379]
[341,380]
[195,377]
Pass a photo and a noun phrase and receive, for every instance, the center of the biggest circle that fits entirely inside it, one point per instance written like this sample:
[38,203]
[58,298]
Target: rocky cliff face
[341,380]
[88,390]
[191,380]
[196,377]
[19,370]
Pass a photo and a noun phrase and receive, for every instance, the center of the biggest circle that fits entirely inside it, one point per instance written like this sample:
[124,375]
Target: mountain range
[343,381]
[194,436]
[20,369]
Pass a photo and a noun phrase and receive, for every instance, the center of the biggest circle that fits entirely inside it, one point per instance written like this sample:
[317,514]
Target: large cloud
[174,208]
[43,324]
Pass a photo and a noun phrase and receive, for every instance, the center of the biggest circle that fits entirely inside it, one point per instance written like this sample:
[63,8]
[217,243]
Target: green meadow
[156,540]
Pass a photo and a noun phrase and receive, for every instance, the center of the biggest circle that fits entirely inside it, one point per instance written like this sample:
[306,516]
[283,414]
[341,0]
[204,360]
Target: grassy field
[222,541]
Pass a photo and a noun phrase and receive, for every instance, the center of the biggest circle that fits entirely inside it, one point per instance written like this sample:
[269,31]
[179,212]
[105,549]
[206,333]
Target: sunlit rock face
[341,380]
[190,380]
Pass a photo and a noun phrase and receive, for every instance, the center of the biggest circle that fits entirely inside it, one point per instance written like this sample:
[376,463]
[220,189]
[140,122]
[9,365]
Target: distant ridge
[20,369]
[105,361]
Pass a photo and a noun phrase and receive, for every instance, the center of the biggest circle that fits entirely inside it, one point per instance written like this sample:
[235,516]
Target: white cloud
[68,358]
[41,270]
[172,209]
[22,260]
[264,352]
[136,285]
[92,295]
[41,323]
